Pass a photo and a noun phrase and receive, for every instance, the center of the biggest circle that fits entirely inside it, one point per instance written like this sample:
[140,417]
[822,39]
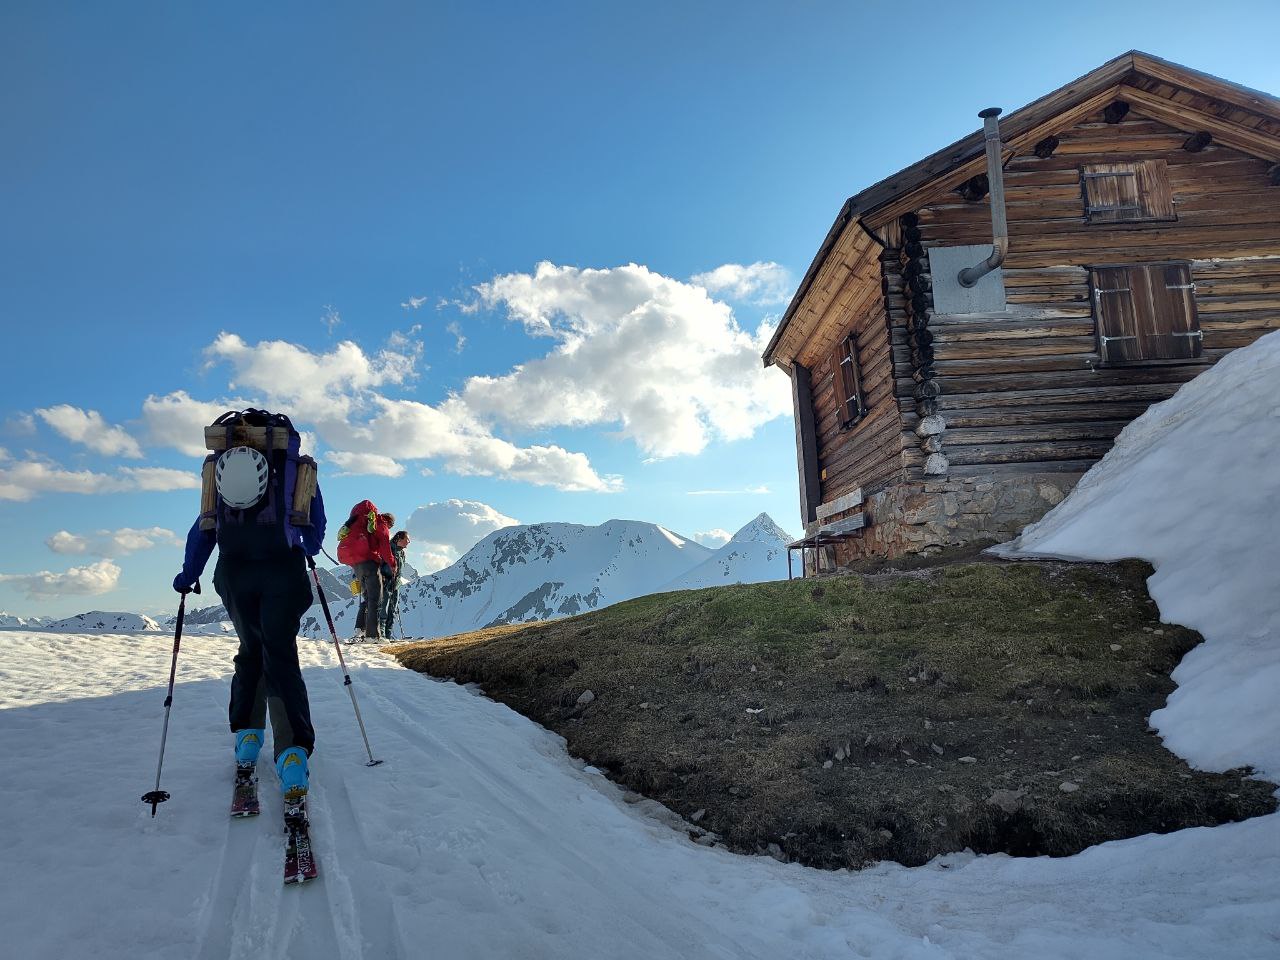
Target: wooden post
[806,442]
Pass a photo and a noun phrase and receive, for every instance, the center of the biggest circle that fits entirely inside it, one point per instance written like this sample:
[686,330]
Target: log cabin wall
[847,299]
[1025,390]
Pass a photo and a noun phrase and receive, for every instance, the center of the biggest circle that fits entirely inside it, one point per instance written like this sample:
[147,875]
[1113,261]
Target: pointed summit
[762,529]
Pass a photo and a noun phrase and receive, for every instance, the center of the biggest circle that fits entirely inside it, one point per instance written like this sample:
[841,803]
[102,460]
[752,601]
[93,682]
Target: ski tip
[373,763]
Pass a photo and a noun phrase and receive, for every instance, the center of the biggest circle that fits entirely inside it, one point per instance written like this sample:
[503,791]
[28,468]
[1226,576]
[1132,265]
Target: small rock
[1147,630]
[734,791]
[753,668]
[910,762]
[885,834]
[1115,648]
[1158,633]
[928,725]
[840,753]
[1068,786]
[697,815]
[968,759]
[645,705]
[706,840]
[945,788]
[1076,757]
[755,710]
[775,851]
[1010,801]
[826,765]
[936,749]
[585,698]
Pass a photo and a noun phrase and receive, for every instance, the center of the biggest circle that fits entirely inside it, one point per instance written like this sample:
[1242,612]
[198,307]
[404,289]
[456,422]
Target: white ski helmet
[241,477]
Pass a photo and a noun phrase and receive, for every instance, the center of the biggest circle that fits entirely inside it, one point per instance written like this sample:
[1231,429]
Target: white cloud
[177,421]
[112,543]
[331,319]
[25,479]
[754,491]
[713,538]
[88,428]
[656,355]
[459,340]
[760,283]
[351,464]
[313,387]
[444,531]
[92,580]
[157,479]
[413,303]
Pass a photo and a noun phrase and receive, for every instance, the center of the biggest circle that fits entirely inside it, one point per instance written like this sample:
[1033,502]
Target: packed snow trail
[480,837]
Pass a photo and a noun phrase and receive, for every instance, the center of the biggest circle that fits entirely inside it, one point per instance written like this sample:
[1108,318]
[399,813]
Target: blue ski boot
[248,744]
[291,766]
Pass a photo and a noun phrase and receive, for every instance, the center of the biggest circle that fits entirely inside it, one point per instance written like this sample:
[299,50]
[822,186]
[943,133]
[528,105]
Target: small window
[1124,192]
[848,382]
[1146,313]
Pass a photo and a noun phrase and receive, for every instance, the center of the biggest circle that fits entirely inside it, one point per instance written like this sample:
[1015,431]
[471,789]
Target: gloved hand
[182,583]
[387,572]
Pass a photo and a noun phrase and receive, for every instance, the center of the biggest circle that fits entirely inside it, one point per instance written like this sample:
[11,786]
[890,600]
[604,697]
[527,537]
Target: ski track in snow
[479,837]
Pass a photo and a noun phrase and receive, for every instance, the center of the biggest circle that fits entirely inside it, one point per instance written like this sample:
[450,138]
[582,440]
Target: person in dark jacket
[391,591]
[261,577]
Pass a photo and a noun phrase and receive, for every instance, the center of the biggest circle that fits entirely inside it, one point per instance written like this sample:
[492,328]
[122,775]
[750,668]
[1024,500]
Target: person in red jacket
[364,544]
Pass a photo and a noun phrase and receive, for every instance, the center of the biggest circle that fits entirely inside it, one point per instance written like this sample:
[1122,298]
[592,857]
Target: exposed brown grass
[892,715]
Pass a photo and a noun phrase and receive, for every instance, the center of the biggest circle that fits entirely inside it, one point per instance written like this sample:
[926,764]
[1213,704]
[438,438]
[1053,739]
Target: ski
[244,801]
[299,860]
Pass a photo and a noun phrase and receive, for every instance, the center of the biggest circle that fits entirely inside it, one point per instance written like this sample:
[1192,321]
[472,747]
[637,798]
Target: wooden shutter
[847,379]
[838,381]
[1146,313]
[1118,192]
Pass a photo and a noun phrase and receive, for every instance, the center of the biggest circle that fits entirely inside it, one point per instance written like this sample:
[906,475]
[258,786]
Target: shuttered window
[1122,192]
[1146,313]
[848,382]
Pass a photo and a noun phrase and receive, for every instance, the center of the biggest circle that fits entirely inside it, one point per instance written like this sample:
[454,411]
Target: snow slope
[534,572]
[98,621]
[756,553]
[480,838]
[1191,486]
[9,621]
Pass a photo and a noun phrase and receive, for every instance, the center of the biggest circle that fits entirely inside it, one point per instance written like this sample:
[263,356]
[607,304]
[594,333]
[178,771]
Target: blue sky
[193,196]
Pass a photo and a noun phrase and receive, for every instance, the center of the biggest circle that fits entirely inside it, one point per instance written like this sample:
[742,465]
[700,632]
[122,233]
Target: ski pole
[158,796]
[346,676]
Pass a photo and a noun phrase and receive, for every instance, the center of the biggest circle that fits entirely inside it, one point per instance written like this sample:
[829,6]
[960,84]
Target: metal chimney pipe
[999,226]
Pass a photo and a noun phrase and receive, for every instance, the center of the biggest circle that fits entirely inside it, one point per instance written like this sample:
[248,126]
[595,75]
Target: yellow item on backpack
[356,589]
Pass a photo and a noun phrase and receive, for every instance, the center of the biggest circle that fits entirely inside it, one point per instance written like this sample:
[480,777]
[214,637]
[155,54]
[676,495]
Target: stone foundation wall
[914,517]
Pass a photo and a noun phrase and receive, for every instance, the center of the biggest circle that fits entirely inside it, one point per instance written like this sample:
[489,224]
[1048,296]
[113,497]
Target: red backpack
[357,540]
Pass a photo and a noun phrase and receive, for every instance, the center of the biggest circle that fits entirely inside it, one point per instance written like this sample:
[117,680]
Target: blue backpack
[269,527]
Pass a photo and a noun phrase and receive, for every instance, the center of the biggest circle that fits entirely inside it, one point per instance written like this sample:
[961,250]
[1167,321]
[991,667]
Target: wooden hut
[1143,212]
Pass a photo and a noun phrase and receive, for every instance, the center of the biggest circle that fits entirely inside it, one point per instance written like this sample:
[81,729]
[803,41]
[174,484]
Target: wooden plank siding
[1027,387]
[848,298]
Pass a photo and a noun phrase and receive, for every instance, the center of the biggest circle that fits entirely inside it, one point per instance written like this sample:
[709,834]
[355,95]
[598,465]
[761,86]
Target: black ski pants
[266,600]
[369,573]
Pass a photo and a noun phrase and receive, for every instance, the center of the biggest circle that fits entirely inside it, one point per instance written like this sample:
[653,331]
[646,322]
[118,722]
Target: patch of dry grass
[894,715]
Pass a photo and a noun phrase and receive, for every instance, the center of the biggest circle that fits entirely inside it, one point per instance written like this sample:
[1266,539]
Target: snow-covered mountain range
[518,574]
[99,621]
[9,621]
[756,553]
[548,570]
